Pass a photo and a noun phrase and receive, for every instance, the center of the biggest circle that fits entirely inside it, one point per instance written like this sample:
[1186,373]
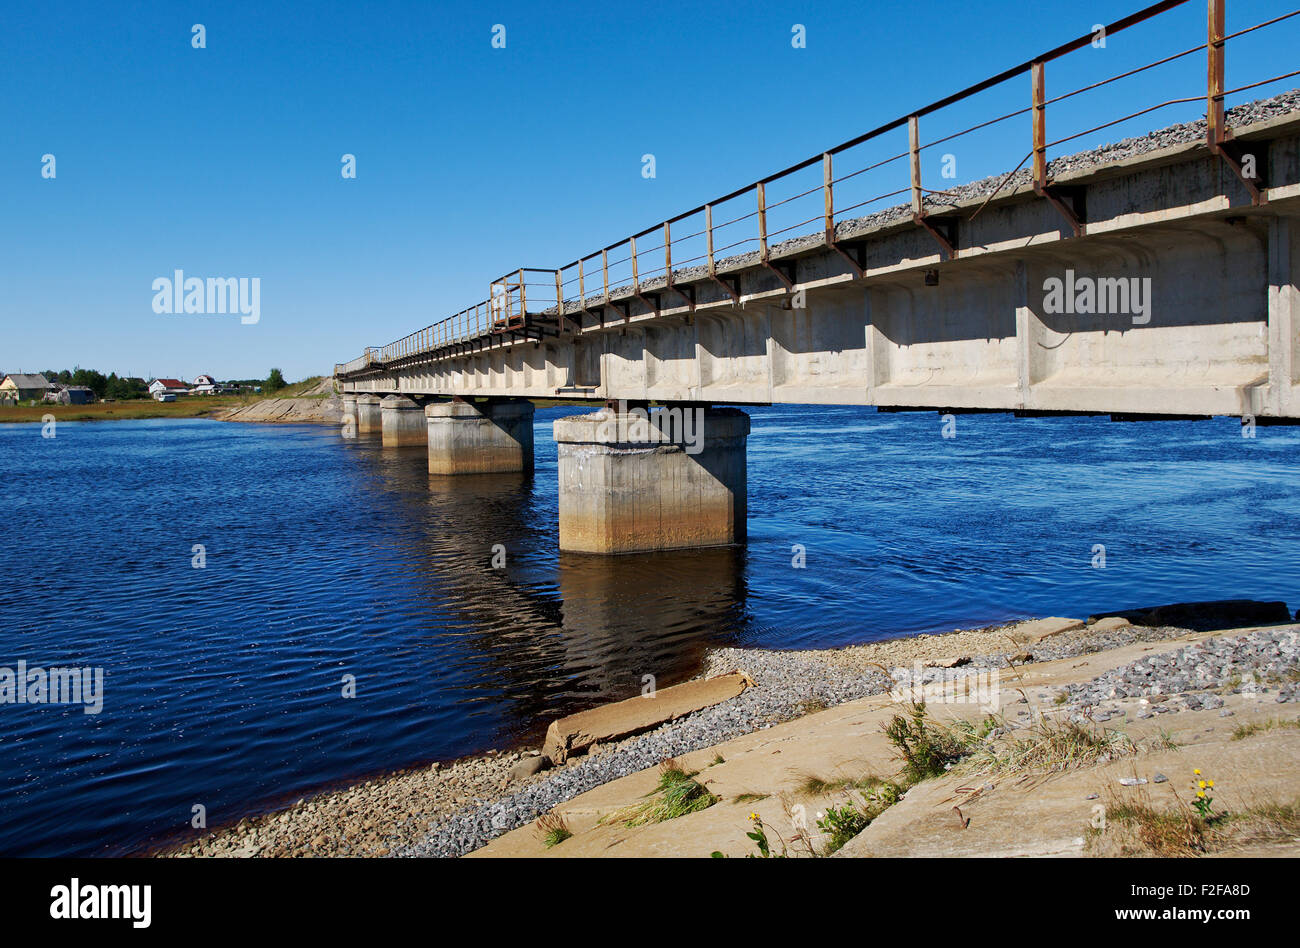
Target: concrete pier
[402,422]
[349,418]
[369,420]
[480,438]
[670,480]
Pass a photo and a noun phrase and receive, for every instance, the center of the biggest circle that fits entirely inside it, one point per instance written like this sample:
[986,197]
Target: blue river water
[327,558]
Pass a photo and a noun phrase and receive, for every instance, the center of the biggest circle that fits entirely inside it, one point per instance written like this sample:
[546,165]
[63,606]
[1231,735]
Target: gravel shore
[368,819]
[788,685]
[1265,663]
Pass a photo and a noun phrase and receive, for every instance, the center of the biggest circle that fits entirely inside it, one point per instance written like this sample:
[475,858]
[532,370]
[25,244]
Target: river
[331,566]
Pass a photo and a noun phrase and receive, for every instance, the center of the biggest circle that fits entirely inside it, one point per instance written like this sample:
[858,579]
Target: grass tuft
[1049,746]
[676,794]
[812,785]
[927,750]
[1243,731]
[1164,741]
[1164,833]
[1137,828]
[1265,823]
[552,829]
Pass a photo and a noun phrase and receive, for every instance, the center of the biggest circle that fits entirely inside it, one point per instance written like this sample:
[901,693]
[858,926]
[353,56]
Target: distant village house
[21,388]
[59,394]
[162,388]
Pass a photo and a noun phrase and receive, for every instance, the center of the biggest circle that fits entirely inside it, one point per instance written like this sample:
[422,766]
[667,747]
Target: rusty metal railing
[363,361]
[738,229]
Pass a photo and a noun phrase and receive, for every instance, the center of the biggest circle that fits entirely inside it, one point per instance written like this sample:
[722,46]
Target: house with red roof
[173,387]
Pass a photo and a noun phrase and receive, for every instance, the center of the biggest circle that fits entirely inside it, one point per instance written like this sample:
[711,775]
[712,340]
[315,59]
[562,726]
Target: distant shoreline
[301,409]
[313,391]
[196,407]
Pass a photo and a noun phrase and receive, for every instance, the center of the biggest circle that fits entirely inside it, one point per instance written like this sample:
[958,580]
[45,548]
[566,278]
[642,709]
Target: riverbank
[494,800]
[193,407]
[301,410]
[311,401]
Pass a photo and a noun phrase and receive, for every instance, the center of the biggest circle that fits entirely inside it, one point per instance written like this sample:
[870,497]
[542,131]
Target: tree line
[123,388]
[104,386]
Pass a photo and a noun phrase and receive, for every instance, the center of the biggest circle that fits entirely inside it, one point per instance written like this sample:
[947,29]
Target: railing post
[636,281]
[582,288]
[604,267]
[762,221]
[1040,127]
[828,198]
[523,303]
[708,229]
[914,146]
[1214,128]
[559,296]
[668,255]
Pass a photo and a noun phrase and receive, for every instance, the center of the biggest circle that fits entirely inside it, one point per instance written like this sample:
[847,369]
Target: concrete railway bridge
[1160,284]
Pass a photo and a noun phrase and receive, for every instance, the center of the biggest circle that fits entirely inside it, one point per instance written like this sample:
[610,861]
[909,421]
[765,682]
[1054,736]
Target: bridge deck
[943,302]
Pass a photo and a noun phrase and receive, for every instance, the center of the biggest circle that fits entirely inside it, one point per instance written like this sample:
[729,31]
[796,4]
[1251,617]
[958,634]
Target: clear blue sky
[471,161]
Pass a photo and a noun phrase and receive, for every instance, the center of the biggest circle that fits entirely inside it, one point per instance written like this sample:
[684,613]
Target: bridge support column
[490,437]
[1283,310]
[401,422]
[672,481]
[368,414]
[349,419]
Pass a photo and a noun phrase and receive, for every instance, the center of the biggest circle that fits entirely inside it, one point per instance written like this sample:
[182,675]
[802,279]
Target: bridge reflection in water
[544,633]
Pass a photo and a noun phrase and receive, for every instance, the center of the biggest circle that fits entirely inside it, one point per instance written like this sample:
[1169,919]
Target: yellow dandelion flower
[1209,783]
[1200,793]
[1201,784]
[754,817]
[1197,771]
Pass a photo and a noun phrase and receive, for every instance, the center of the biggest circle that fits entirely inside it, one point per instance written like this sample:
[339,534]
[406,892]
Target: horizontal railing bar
[878,164]
[1262,82]
[1097,128]
[1260,26]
